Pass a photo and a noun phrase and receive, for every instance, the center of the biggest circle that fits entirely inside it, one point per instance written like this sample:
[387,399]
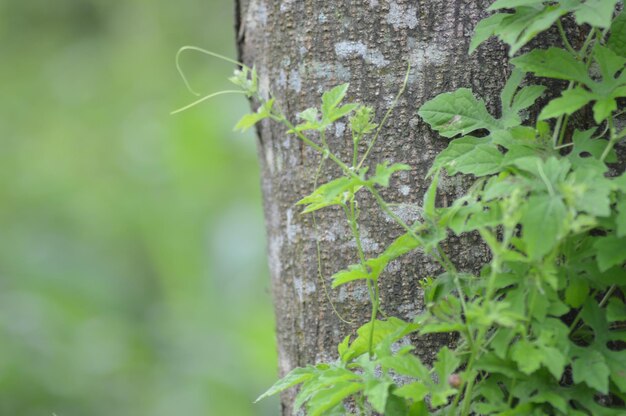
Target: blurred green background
[132,259]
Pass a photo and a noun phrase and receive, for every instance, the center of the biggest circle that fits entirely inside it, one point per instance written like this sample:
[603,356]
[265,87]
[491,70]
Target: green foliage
[540,328]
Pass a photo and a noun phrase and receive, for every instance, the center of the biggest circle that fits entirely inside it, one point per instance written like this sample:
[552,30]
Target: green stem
[351,214]
[566,42]
[613,138]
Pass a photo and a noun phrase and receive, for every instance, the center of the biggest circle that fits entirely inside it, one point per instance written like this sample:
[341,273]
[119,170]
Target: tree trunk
[302,48]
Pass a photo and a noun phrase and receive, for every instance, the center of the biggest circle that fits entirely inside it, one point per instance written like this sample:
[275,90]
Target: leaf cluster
[541,326]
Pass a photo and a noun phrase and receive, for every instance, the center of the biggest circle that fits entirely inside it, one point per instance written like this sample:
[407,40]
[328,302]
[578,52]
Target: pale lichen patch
[402,17]
[295,82]
[348,49]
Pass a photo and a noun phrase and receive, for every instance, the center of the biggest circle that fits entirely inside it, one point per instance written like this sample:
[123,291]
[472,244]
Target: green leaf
[554,360]
[342,348]
[617,37]
[527,22]
[542,224]
[396,406]
[354,272]
[553,63]
[296,376]
[470,155]
[611,251]
[310,115]
[509,4]
[620,218]
[576,292]
[527,97]
[332,98]
[485,29]
[603,108]
[482,160]
[511,86]
[569,102]
[609,62]
[384,172]
[590,368]
[616,311]
[249,120]
[616,360]
[415,391]
[407,365]
[447,362]
[361,122]
[392,328]
[401,245]
[331,193]
[457,113]
[527,356]
[339,112]
[325,400]
[585,146]
[598,13]
[377,392]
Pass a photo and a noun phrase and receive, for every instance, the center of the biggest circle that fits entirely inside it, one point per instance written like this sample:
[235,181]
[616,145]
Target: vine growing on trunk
[541,328]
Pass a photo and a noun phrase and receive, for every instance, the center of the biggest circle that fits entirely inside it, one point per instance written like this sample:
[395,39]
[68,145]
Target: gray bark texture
[302,48]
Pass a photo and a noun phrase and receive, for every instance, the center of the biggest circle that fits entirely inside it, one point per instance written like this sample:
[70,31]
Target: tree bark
[303,48]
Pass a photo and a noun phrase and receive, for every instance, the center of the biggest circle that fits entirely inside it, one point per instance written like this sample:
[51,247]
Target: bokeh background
[132,259]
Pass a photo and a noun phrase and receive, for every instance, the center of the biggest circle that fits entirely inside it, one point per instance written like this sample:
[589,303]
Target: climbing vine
[541,327]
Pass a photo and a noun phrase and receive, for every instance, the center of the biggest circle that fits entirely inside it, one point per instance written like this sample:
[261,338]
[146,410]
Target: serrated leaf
[527,356]
[457,112]
[296,376]
[392,328]
[616,360]
[447,362]
[509,4]
[362,121]
[249,120]
[415,391]
[527,22]
[611,251]
[331,193]
[620,218]
[342,348]
[354,272]
[569,102]
[470,155]
[542,224]
[584,146]
[527,97]
[481,160]
[326,399]
[590,368]
[377,392]
[332,98]
[554,361]
[609,62]
[401,245]
[577,292]
[511,86]
[485,29]
[339,112]
[407,365]
[617,37]
[598,13]
[616,311]
[553,63]
[384,172]
[603,108]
